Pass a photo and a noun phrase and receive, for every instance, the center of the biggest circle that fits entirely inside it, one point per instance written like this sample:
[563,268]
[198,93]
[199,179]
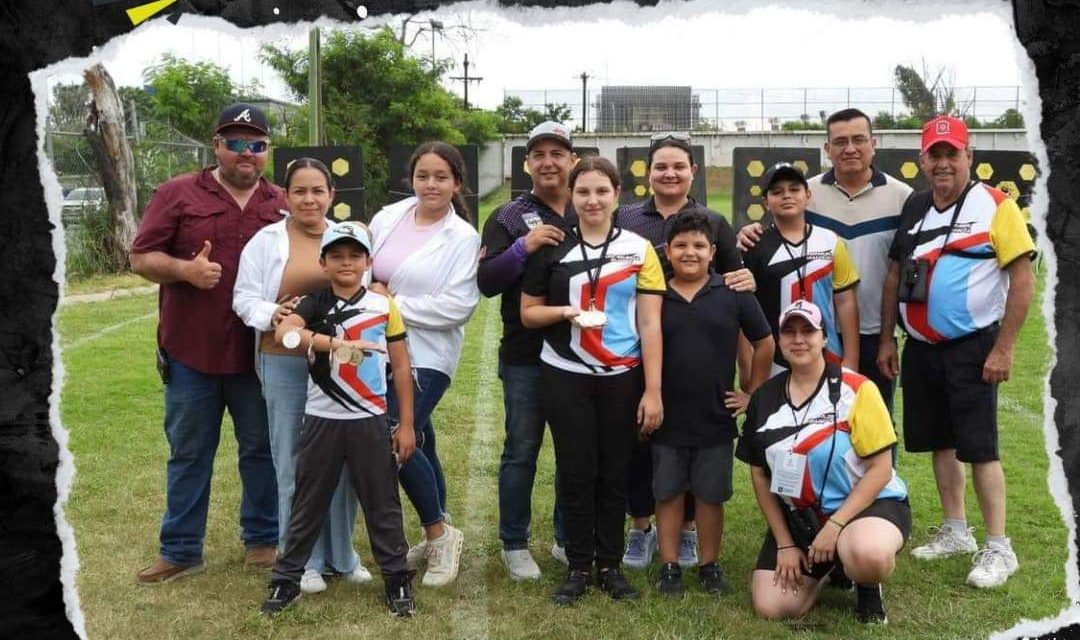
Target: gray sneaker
[945,542]
[520,564]
[640,547]
[688,557]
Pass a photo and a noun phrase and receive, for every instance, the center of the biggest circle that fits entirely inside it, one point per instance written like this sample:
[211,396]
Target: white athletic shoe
[312,582]
[417,553]
[520,564]
[359,575]
[443,557]
[559,553]
[993,566]
[945,542]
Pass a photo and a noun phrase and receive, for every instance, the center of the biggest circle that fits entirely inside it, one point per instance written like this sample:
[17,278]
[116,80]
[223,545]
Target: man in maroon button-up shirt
[189,241]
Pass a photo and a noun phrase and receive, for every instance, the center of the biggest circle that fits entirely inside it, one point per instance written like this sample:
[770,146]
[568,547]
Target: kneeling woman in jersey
[601,369]
[818,440]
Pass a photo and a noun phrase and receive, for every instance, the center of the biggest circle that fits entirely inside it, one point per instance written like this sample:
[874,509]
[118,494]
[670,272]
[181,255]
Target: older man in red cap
[960,279]
[189,241]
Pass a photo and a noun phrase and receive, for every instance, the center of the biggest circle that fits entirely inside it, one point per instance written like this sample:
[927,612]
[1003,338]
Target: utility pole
[314,92]
[435,25]
[584,101]
[467,79]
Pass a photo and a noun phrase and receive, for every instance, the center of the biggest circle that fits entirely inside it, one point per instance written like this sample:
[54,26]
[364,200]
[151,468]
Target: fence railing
[753,109]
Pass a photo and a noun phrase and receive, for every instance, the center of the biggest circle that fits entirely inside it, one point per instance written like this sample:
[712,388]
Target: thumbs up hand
[200,271]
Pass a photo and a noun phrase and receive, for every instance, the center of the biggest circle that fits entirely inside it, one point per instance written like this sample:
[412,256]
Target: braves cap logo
[244,115]
[942,127]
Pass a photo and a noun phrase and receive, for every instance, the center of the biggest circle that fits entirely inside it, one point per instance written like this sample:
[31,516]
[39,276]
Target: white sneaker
[559,553]
[993,566]
[312,582]
[520,564]
[359,575]
[945,542]
[417,554]
[443,557]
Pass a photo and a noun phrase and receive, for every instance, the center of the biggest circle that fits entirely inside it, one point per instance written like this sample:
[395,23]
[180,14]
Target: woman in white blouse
[425,254]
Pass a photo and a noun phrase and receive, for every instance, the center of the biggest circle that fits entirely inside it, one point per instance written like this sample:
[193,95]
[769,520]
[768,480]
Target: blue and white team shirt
[630,267]
[346,391]
[967,279]
[860,428]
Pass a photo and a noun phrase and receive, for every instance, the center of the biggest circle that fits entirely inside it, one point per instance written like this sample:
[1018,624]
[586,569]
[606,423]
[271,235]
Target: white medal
[787,475]
[291,339]
[592,318]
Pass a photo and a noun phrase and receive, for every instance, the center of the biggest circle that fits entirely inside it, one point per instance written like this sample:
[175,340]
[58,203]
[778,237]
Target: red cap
[944,129]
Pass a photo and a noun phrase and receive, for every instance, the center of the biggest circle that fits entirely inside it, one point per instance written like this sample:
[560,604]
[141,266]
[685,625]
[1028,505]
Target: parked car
[78,202]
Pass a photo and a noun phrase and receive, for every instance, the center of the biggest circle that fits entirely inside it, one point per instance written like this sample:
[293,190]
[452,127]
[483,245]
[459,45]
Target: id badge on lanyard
[787,476]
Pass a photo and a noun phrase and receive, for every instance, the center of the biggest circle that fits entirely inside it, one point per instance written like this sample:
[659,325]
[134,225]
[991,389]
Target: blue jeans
[284,379]
[517,468]
[194,406]
[422,475]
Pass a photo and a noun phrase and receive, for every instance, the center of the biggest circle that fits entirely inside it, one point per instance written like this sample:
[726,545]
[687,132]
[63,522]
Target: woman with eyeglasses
[818,439]
[671,177]
[425,253]
[278,265]
[597,295]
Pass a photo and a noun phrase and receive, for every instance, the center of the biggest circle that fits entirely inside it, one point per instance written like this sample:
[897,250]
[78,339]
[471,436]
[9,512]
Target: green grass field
[112,407]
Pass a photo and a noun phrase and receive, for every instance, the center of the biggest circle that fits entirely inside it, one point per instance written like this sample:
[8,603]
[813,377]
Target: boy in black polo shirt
[692,450]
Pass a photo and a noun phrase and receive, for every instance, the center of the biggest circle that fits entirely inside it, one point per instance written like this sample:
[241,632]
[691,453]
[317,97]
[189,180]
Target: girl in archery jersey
[595,295]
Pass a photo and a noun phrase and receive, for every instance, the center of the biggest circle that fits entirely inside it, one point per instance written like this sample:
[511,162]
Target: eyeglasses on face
[240,145]
[842,143]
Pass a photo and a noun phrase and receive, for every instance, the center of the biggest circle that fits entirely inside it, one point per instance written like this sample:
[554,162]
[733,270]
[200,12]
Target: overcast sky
[743,46]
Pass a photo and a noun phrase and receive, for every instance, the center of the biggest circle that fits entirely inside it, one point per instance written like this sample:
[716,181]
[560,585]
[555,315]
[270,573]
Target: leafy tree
[884,120]
[517,118]
[374,95]
[924,98]
[68,109]
[189,96]
[1011,119]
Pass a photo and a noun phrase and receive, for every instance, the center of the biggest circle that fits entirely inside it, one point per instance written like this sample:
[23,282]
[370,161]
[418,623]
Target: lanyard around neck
[594,279]
[800,266]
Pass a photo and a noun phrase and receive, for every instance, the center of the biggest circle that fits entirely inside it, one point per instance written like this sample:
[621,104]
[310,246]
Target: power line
[466,79]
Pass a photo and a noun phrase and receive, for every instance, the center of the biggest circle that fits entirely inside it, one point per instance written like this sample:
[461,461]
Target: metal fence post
[763,125]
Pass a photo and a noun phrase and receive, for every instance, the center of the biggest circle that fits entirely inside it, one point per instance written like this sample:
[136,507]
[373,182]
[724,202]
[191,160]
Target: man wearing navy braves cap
[189,241]
[513,232]
[960,281]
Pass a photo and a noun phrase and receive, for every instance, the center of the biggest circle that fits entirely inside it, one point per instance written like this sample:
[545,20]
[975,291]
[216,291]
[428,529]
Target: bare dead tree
[105,130]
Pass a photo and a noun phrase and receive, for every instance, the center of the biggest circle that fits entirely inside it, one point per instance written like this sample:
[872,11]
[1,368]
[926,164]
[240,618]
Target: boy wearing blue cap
[348,332]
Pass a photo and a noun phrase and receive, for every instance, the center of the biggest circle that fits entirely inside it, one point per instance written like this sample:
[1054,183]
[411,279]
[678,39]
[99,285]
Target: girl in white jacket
[279,263]
[425,254]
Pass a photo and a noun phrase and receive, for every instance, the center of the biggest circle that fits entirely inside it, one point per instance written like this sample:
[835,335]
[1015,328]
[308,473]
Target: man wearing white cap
[960,279]
[513,232]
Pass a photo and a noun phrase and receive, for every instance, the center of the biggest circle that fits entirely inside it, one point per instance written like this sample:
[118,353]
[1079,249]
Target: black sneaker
[670,581]
[573,587]
[282,594]
[712,578]
[615,585]
[399,596]
[869,608]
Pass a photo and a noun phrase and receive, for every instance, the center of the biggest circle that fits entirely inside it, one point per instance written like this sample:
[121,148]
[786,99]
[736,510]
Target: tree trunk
[105,130]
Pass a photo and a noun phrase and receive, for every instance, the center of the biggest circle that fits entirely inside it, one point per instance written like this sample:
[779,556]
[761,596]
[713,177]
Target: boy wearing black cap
[797,260]
[347,329]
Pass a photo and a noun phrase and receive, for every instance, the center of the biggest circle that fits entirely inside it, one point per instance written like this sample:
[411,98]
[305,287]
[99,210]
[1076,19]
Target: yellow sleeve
[651,276]
[871,428]
[1008,234]
[844,272]
[395,325]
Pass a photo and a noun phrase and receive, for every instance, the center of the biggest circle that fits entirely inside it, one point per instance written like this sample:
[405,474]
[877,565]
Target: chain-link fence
[659,108]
